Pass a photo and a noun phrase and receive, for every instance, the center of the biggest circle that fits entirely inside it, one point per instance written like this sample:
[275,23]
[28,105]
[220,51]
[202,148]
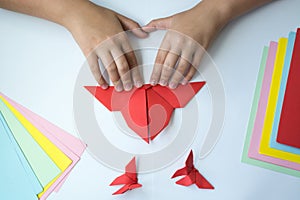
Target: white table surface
[40,61]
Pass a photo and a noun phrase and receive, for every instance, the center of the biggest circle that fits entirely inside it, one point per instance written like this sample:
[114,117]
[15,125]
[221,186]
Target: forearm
[55,10]
[231,9]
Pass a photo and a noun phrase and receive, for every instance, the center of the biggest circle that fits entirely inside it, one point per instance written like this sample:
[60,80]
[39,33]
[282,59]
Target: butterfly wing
[131,170]
[180,172]
[134,186]
[185,181]
[201,182]
[123,179]
[180,96]
[122,190]
[189,163]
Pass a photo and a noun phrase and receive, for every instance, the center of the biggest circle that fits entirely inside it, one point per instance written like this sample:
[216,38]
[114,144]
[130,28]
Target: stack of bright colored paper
[36,156]
[273,135]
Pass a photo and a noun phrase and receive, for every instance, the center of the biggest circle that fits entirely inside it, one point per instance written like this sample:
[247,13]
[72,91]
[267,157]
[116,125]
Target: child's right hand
[90,25]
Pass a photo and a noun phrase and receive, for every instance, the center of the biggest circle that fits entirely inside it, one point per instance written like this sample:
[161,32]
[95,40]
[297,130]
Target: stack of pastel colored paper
[273,135]
[36,156]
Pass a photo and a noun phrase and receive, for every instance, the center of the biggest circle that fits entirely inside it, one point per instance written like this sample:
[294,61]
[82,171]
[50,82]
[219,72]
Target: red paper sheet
[129,179]
[289,125]
[191,175]
[147,110]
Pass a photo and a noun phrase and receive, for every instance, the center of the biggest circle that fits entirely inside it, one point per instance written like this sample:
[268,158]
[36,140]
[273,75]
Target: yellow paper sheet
[271,108]
[58,157]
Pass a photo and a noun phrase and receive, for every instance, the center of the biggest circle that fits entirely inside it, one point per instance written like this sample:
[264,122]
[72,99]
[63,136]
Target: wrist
[71,10]
[230,9]
[221,10]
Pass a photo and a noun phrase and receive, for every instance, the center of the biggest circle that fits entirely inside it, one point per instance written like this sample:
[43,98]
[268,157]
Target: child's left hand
[201,23]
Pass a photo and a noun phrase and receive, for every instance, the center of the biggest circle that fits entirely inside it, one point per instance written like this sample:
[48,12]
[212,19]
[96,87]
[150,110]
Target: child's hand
[201,23]
[90,25]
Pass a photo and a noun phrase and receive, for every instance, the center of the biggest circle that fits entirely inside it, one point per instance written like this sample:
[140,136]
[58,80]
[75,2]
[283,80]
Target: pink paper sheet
[70,145]
[260,115]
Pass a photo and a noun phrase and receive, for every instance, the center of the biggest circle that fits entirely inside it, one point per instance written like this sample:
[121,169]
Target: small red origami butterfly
[129,179]
[192,175]
[146,110]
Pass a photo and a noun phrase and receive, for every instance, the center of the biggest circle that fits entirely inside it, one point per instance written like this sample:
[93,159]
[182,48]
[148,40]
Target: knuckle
[121,38]
[109,42]
[188,77]
[126,48]
[165,77]
[122,61]
[167,71]
[123,68]
[180,41]
[181,69]
[101,81]
[160,58]
[190,42]
[156,71]
[155,75]
[132,62]
[187,56]
[177,75]
[168,66]
[111,69]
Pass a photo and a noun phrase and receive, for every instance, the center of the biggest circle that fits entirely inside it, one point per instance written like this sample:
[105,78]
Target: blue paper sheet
[273,143]
[14,181]
[43,166]
[37,187]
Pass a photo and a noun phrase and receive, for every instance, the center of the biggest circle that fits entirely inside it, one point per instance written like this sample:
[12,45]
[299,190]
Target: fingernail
[138,84]
[104,86]
[184,82]
[153,82]
[119,88]
[173,85]
[128,86]
[163,82]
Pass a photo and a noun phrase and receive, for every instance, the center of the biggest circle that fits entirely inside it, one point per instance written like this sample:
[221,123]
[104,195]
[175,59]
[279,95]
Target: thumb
[129,24]
[162,23]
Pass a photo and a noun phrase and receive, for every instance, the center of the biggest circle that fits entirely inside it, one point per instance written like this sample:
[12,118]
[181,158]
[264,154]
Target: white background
[39,63]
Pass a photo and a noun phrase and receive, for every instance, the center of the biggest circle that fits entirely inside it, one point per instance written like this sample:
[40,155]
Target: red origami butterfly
[129,179]
[146,110]
[192,175]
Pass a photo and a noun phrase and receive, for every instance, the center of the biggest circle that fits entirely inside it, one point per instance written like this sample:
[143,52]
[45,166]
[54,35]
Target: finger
[122,68]
[195,64]
[158,65]
[134,69]
[129,24]
[162,23]
[112,70]
[198,57]
[189,75]
[95,69]
[182,68]
[133,64]
[168,68]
